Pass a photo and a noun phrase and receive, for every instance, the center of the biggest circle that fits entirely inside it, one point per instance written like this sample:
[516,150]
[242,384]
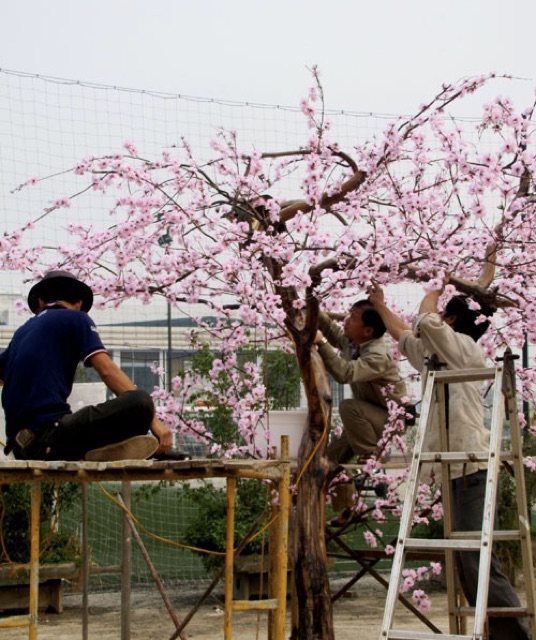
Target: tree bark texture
[315,615]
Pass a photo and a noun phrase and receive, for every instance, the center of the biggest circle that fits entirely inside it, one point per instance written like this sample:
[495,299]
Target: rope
[174,543]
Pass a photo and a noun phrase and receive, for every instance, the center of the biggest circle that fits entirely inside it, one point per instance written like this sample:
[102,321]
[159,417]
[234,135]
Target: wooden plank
[14,621]
[255,605]
[19,572]
[15,597]
[144,470]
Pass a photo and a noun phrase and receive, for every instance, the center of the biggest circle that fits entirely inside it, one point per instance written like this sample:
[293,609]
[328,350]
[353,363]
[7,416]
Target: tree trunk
[315,615]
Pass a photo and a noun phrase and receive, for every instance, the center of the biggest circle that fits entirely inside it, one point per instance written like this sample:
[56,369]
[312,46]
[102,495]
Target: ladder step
[433,543]
[451,457]
[460,540]
[255,605]
[497,612]
[465,375]
[503,534]
[410,634]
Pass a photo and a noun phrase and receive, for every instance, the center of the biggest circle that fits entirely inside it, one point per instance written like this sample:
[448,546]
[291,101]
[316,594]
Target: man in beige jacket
[362,359]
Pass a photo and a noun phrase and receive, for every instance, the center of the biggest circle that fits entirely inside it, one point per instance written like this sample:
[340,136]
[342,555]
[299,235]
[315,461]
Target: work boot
[135,448]
[172,455]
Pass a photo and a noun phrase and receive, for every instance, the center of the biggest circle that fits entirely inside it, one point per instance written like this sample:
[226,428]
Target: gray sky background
[386,56]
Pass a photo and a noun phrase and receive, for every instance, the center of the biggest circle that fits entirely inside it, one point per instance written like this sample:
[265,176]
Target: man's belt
[25,438]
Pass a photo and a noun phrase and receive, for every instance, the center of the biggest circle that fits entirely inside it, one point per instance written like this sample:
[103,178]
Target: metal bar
[447,544]
[126,564]
[229,558]
[408,634]
[450,457]
[268,604]
[277,619]
[503,534]
[86,561]
[509,391]
[35,493]
[498,612]
[490,502]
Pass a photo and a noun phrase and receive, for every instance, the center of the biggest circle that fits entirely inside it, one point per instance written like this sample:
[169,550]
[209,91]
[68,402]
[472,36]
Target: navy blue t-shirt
[39,365]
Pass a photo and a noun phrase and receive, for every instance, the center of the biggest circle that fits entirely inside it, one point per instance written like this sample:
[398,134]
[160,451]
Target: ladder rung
[462,456]
[255,605]
[497,612]
[409,634]
[503,534]
[465,375]
[453,456]
[433,543]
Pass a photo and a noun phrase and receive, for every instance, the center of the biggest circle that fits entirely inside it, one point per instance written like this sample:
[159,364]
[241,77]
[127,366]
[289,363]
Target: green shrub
[15,515]
[207,529]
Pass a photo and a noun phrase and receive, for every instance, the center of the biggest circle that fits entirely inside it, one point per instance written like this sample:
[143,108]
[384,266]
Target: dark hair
[371,318]
[465,317]
[68,296]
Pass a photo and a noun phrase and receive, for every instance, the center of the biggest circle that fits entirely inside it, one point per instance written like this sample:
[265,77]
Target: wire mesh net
[47,126]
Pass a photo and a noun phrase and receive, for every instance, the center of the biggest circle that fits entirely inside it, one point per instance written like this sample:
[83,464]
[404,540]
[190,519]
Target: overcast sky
[383,56]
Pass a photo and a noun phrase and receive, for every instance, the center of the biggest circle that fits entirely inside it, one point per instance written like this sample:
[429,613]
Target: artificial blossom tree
[418,203]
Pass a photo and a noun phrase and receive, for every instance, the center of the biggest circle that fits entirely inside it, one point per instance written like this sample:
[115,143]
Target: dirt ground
[358,615]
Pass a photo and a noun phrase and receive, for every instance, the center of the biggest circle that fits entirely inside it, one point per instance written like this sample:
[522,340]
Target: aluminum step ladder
[436,395]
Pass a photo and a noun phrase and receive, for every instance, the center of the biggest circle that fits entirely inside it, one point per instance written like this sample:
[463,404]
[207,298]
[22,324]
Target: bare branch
[295,206]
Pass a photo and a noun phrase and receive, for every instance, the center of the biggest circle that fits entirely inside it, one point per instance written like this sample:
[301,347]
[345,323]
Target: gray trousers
[467,514]
[363,425]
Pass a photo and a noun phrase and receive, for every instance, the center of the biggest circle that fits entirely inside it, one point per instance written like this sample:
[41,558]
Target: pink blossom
[130,147]
[421,600]
[62,202]
[370,539]
[21,307]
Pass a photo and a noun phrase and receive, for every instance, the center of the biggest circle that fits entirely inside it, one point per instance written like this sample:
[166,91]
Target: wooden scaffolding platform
[278,471]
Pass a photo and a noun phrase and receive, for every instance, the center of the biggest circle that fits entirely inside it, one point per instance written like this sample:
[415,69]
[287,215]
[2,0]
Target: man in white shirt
[452,335]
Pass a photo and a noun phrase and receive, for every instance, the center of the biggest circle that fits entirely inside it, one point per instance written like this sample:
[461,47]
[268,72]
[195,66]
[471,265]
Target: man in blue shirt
[37,371]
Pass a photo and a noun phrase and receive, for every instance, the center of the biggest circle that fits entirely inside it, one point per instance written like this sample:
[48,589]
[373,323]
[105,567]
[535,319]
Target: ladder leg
[521,494]
[406,520]
[456,623]
[490,502]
